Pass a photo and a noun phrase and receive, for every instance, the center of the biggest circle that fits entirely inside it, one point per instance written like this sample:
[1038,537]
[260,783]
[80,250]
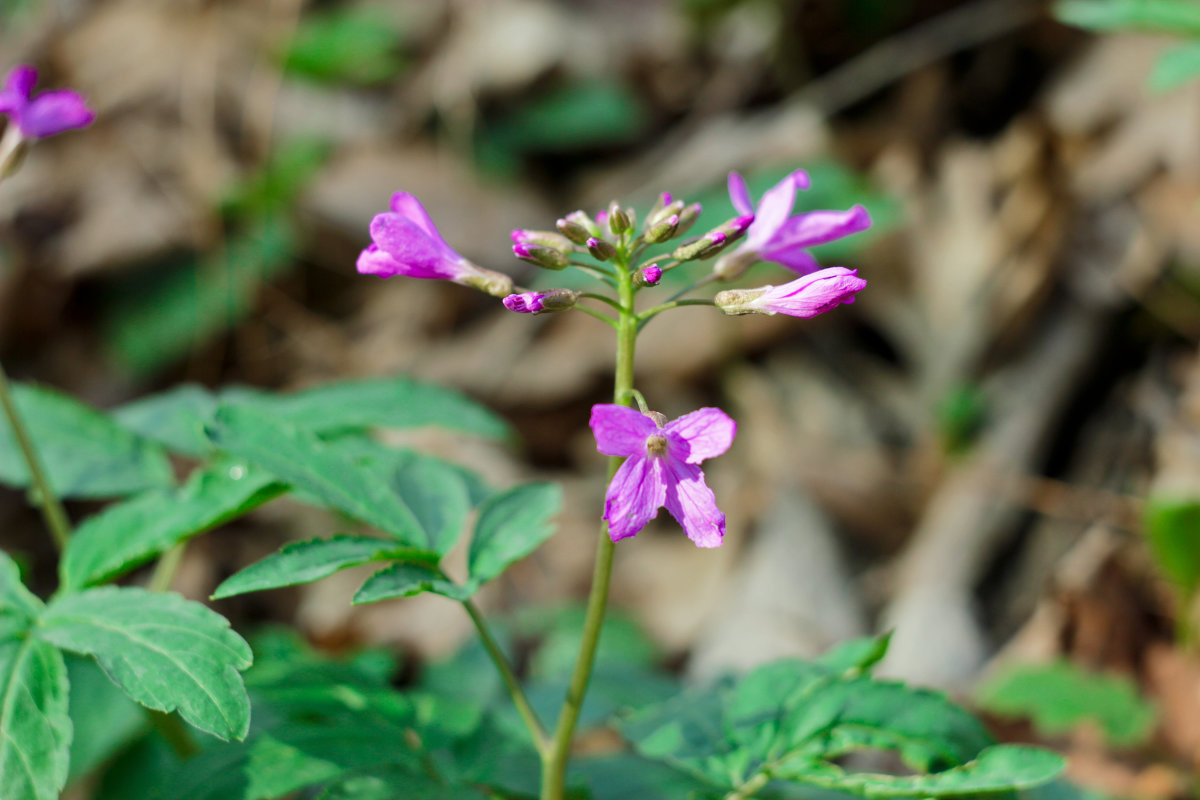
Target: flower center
[656,445]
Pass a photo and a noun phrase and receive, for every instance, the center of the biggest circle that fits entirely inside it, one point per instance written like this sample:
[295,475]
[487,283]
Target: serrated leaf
[83,452]
[438,498]
[1176,67]
[19,607]
[175,418]
[1173,529]
[1159,16]
[999,768]
[305,562]
[130,533]
[35,728]
[1059,697]
[300,459]
[510,526]
[406,580]
[165,652]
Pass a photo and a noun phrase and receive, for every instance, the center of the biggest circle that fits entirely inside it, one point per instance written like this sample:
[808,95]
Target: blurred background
[995,452]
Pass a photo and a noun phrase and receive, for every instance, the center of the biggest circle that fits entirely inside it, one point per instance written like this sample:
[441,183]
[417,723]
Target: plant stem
[554,763]
[173,730]
[541,741]
[164,571]
[650,313]
[47,501]
[748,789]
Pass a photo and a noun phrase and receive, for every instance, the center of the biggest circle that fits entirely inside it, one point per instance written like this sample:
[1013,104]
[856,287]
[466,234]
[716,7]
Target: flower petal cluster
[406,242]
[661,468]
[47,114]
[776,235]
[537,302]
[804,297]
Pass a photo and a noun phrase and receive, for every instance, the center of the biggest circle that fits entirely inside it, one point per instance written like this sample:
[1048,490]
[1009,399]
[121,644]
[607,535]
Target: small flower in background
[804,297]
[778,236]
[537,302]
[406,242]
[47,114]
[661,469]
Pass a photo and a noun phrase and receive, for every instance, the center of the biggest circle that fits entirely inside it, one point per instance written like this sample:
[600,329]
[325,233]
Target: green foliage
[18,606]
[1157,16]
[1173,529]
[407,580]
[355,45]
[1059,697]
[511,525]
[84,453]
[104,718]
[299,458]
[35,728]
[165,652]
[305,562]
[128,534]
[1176,67]
[790,720]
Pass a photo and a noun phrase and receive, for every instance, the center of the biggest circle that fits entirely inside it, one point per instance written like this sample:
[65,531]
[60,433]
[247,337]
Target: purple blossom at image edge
[49,113]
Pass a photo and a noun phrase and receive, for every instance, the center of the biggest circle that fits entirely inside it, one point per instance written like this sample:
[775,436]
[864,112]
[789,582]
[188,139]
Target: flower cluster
[661,458]
[47,114]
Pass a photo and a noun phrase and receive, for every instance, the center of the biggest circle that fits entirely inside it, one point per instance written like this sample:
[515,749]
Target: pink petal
[774,209]
[620,430]
[373,261]
[410,246]
[406,205]
[739,195]
[693,505]
[819,227]
[20,81]
[637,491]
[53,113]
[704,433]
[797,259]
[813,294]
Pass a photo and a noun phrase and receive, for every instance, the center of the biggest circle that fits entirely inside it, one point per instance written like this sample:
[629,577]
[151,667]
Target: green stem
[748,789]
[554,763]
[650,313]
[603,299]
[173,730]
[47,501]
[164,571]
[707,279]
[541,741]
[591,312]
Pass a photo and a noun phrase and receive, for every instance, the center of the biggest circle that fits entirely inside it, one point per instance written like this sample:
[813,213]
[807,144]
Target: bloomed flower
[47,114]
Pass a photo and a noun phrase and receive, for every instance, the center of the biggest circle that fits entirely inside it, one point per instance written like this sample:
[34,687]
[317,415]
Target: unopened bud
[660,213]
[601,249]
[688,217]
[544,238]
[620,220]
[573,230]
[732,266]
[662,231]
[715,240]
[543,256]
[537,302]
[648,276]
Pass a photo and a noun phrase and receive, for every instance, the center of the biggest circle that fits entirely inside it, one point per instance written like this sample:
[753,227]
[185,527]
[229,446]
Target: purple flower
[47,114]
[804,297]
[648,276]
[778,236]
[406,242]
[661,469]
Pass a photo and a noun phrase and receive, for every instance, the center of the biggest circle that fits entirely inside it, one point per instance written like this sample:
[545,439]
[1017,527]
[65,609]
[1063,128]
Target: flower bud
[715,240]
[688,217]
[662,231]
[658,214]
[620,220]
[601,249]
[549,239]
[648,276]
[804,297]
[543,256]
[537,302]
[732,266]
[571,229]
[662,202]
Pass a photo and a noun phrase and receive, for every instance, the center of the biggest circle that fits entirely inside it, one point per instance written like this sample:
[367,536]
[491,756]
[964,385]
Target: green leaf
[104,718]
[19,607]
[511,525]
[163,317]
[276,769]
[1176,67]
[300,459]
[166,652]
[355,45]
[1173,527]
[128,534]
[35,728]
[84,452]
[381,403]
[390,782]
[305,562]
[1159,16]
[406,580]
[175,418]
[997,769]
[273,189]
[1059,697]
[856,655]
